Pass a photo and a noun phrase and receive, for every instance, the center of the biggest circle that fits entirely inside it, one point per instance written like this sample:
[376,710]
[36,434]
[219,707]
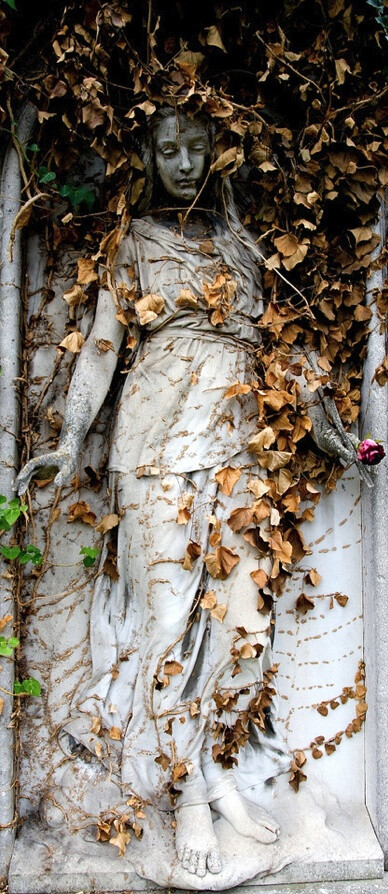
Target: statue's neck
[199,224]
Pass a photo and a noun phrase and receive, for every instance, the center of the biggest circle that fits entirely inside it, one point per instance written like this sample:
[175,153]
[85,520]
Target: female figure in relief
[179,647]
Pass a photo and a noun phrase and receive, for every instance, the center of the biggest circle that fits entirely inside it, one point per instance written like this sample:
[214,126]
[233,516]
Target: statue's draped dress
[165,670]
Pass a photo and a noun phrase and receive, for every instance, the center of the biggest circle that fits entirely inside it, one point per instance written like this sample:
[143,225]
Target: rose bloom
[370,452]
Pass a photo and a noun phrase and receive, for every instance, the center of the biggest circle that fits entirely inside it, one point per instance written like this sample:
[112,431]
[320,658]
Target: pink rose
[370,452]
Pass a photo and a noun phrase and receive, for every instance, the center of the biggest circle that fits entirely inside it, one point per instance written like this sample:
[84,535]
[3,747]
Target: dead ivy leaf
[209,600]
[81,512]
[304,603]
[207,247]
[194,708]
[227,478]
[184,768]
[264,439]
[240,518]
[185,502]
[5,620]
[87,272]
[231,159]
[104,345]
[75,296]
[72,343]
[213,38]
[172,668]
[316,753]
[115,733]
[121,840]
[107,523]
[219,611]
[163,760]
[149,307]
[96,725]
[103,830]
[193,551]
[186,299]
[260,577]
[247,651]
[220,563]
[381,373]
[1,705]
[271,459]
[341,599]
[313,577]
[237,388]
[342,68]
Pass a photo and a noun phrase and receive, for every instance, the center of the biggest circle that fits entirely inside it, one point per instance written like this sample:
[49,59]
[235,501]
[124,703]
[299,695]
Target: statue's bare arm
[88,389]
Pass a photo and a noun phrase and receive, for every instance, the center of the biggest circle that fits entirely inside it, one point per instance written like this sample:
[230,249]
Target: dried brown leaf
[227,478]
[115,733]
[172,668]
[220,563]
[108,522]
[149,307]
[73,342]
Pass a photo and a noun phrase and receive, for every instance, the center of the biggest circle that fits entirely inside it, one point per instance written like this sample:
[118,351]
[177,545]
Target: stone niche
[336,827]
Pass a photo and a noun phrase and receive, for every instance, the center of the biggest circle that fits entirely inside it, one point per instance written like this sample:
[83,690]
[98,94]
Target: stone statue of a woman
[178,645]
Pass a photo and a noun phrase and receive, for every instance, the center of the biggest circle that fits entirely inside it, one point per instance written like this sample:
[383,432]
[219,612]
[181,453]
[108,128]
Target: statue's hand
[332,438]
[62,461]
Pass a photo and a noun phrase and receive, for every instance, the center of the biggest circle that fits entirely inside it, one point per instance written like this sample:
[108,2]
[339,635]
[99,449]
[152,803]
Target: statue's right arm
[88,389]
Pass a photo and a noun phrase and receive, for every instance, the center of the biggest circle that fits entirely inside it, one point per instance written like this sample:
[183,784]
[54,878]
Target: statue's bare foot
[234,808]
[196,843]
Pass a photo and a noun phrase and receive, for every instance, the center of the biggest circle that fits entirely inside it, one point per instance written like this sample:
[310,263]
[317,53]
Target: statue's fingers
[67,469]
[23,478]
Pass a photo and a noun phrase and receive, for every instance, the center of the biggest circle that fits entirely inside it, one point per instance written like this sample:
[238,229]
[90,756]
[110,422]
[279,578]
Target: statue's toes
[214,864]
[186,857]
[201,865]
[193,862]
[266,836]
[270,823]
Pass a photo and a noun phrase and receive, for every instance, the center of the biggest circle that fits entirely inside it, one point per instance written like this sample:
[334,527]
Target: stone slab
[324,847]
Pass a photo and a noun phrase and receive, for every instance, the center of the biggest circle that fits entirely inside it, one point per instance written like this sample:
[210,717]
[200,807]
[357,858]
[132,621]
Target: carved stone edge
[375,569]
[10,344]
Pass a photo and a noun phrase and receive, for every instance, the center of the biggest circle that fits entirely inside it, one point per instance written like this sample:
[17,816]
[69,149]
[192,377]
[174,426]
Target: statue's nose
[185,161]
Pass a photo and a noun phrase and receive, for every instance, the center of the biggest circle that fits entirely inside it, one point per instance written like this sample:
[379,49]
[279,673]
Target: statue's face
[181,149]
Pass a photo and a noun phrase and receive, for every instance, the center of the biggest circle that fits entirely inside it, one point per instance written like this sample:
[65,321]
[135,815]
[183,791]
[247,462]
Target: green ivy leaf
[90,553]
[46,176]
[10,552]
[30,686]
[13,641]
[31,554]
[10,513]
[77,196]
[5,650]
[11,3]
